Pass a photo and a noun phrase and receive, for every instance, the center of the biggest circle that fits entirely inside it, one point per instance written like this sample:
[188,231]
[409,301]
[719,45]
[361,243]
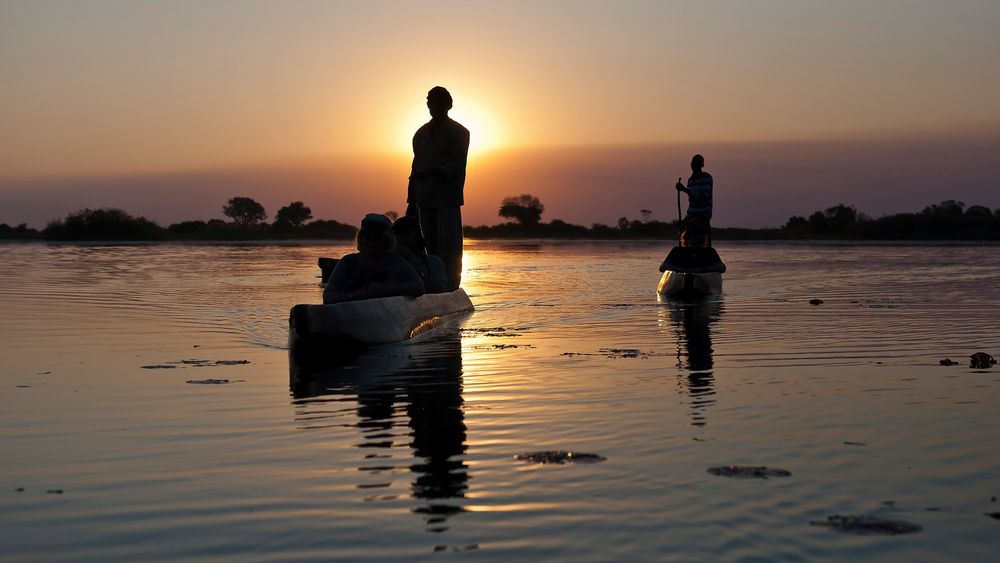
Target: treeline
[247,222]
[948,220]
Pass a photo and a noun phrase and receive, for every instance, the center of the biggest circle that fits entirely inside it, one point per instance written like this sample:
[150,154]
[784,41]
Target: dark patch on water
[748,471]
[455,548]
[993,515]
[54,492]
[197,364]
[867,525]
[19,490]
[499,331]
[501,346]
[855,444]
[815,301]
[886,303]
[981,360]
[213,381]
[615,353]
[948,362]
[559,457]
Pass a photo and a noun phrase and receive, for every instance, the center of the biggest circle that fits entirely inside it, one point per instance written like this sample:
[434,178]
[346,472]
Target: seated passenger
[411,245]
[375,270]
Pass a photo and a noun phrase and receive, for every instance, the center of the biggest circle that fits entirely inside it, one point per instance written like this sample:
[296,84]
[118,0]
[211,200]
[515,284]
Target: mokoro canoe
[691,273]
[373,321]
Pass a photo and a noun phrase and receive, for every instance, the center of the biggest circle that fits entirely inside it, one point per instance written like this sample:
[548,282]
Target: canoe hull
[373,321]
[688,285]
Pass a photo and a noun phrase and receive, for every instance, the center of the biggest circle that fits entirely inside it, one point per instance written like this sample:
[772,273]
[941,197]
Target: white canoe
[374,321]
[689,285]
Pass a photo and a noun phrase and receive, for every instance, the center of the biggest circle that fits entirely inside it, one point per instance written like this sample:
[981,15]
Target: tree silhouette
[292,215]
[244,211]
[525,209]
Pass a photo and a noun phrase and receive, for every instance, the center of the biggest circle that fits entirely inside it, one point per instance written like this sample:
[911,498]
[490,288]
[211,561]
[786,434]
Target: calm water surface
[407,451]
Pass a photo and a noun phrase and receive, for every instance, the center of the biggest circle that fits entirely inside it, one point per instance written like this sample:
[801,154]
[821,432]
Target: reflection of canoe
[691,273]
[373,321]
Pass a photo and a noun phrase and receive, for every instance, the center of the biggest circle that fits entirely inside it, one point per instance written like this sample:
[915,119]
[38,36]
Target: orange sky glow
[317,101]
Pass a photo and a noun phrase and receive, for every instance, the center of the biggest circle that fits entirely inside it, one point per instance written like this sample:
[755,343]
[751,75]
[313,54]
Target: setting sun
[484,131]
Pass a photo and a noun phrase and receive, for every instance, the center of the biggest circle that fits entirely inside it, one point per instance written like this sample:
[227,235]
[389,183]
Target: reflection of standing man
[437,183]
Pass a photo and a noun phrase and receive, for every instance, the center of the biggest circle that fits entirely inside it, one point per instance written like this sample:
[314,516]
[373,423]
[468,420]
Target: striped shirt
[700,198]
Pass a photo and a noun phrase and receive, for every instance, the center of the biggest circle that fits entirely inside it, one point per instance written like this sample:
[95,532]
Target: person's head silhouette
[697,163]
[439,102]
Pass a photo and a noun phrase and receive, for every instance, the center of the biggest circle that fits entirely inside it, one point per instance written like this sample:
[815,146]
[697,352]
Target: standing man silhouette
[698,222]
[437,182]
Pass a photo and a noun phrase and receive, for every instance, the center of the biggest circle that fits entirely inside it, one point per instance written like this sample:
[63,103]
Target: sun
[485,134]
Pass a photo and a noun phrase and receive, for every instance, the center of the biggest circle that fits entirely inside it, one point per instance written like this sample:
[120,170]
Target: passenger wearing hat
[375,270]
[437,182]
[411,246]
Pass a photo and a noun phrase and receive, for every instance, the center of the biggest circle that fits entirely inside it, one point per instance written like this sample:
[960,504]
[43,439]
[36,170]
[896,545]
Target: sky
[169,108]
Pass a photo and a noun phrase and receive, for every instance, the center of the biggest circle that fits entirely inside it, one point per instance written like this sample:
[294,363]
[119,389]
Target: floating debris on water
[615,353]
[19,490]
[855,444]
[748,471]
[559,457]
[948,362]
[887,303]
[815,301]
[495,331]
[981,360]
[23,386]
[213,381]
[43,372]
[455,548]
[501,346]
[197,364]
[54,492]
[865,525]
[993,515]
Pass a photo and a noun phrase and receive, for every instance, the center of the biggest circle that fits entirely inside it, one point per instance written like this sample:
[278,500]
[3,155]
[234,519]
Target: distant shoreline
[946,221]
[516,242]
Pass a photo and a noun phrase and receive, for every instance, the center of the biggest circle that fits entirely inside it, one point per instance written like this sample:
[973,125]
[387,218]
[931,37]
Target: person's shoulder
[458,126]
[423,128]
[398,261]
[406,254]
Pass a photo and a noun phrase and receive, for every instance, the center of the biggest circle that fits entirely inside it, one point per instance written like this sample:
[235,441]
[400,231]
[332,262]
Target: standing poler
[437,183]
[698,222]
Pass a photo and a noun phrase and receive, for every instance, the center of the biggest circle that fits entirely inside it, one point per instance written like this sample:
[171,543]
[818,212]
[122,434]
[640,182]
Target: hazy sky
[107,98]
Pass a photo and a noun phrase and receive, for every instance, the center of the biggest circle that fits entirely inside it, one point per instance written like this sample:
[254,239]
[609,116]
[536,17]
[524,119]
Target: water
[407,452]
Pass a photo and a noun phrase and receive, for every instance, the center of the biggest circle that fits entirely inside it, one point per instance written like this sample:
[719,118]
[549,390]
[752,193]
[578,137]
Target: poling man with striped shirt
[697,224]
